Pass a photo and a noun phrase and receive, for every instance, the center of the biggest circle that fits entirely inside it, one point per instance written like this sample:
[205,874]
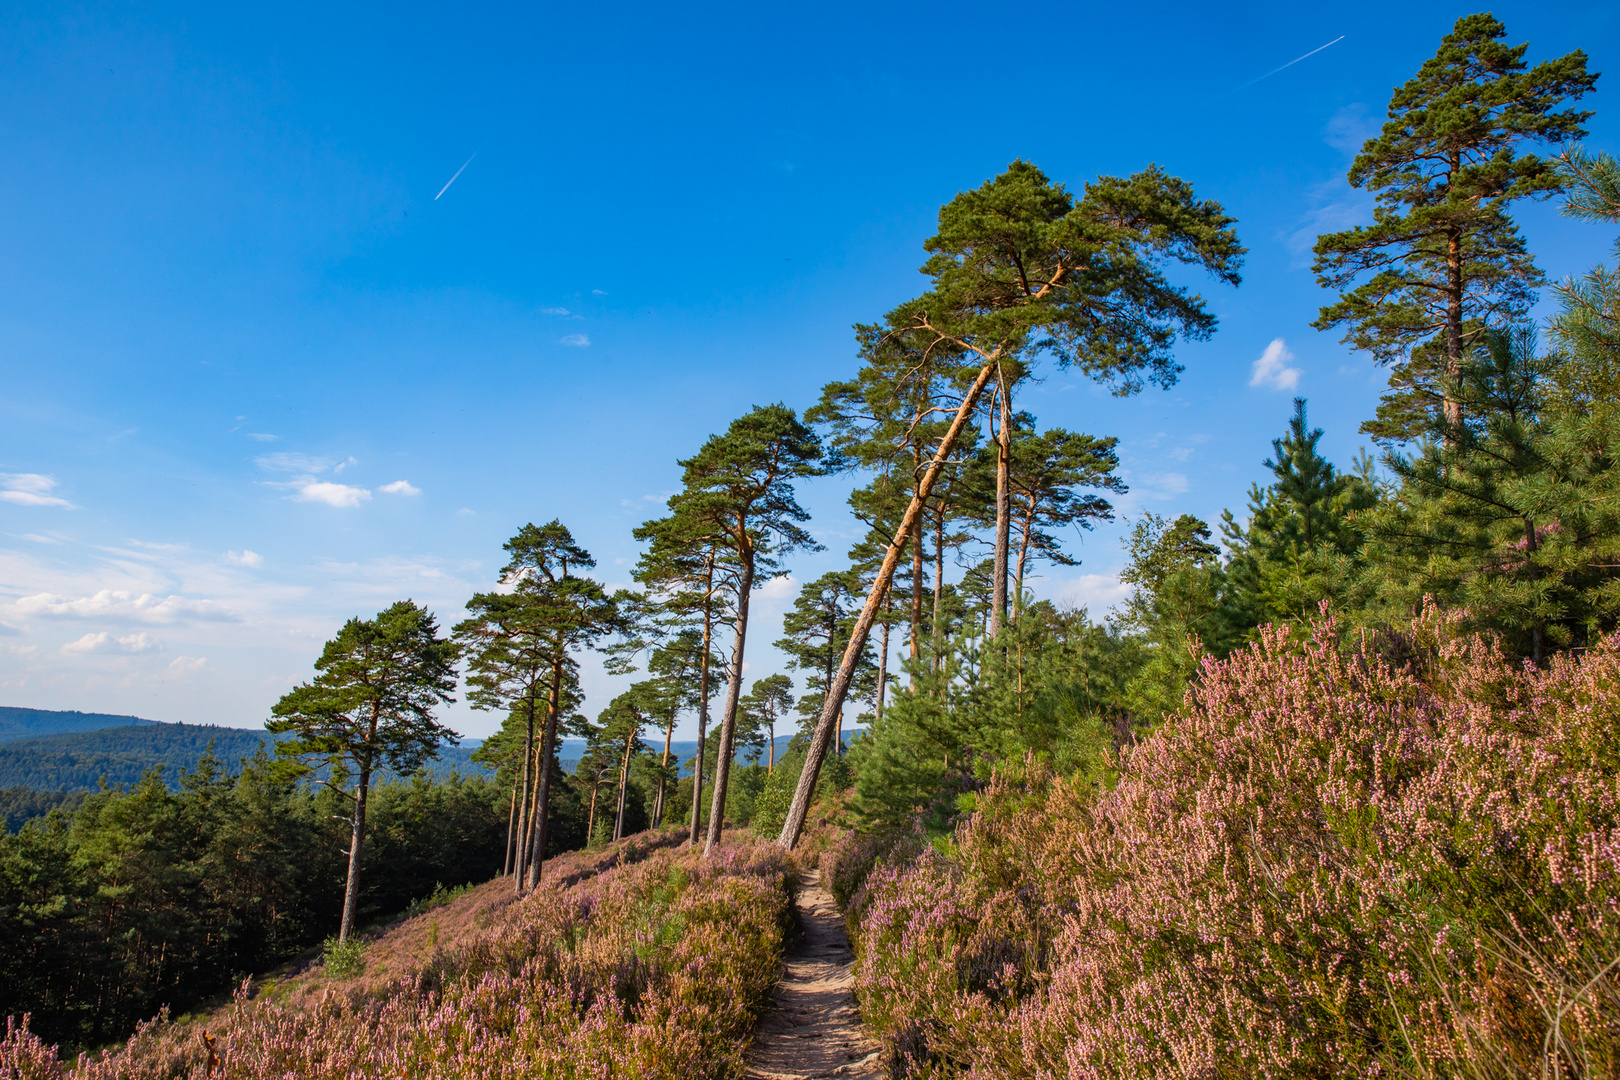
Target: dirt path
[813,1028]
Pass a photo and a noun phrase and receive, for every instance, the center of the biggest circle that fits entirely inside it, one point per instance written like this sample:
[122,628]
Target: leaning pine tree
[1021,267]
[370,708]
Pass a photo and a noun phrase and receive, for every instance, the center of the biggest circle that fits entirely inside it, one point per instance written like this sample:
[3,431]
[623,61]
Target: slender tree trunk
[771,721]
[1023,554]
[1454,320]
[883,666]
[522,858]
[663,771]
[548,747]
[800,807]
[998,596]
[590,818]
[511,825]
[728,720]
[624,786]
[703,704]
[357,843]
[916,593]
[939,581]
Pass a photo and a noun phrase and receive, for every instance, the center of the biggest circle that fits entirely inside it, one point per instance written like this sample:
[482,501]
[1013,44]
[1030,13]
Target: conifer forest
[1332,791]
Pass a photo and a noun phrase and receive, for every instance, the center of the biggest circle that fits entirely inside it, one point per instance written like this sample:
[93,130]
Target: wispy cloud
[401,487]
[284,461]
[332,494]
[103,642]
[554,311]
[259,436]
[576,340]
[1271,368]
[30,489]
[244,558]
[305,484]
[119,603]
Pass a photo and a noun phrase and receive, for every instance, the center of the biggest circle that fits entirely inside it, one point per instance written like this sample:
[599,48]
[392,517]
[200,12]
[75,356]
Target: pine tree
[1442,259]
[1021,268]
[369,708]
[740,486]
[767,702]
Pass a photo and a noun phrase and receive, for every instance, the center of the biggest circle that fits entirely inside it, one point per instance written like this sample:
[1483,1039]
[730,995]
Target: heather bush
[1394,858]
[651,962]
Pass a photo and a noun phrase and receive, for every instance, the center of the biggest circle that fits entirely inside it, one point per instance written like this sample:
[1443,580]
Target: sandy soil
[813,1028]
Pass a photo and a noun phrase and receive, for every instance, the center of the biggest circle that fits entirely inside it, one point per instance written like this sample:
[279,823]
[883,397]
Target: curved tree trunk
[521,856]
[800,807]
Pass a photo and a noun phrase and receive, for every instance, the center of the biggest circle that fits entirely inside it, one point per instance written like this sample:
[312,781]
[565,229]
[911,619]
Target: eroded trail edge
[813,1028]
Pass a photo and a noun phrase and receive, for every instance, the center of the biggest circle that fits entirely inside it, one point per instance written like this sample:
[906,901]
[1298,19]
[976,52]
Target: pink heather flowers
[655,968]
[1394,859]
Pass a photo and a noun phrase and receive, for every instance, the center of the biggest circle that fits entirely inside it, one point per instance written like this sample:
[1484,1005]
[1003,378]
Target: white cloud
[598,292]
[401,487]
[7,630]
[38,539]
[118,603]
[578,341]
[465,510]
[324,491]
[778,588]
[1271,368]
[1097,593]
[244,558]
[104,642]
[257,436]
[182,666]
[30,489]
[344,464]
[554,311]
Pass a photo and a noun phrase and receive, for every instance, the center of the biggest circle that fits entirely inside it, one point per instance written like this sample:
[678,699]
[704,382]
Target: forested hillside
[18,723]
[82,760]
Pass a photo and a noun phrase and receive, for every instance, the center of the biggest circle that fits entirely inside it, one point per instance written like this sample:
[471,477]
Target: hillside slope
[80,760]
[17,723]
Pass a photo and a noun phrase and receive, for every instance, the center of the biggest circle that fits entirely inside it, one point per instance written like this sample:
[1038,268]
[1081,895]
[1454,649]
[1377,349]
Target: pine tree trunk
[771,765]
[1023,554]
[998,596]
[357,840]
[522,854]
[728,720]
[703,704]
[799,809]
[624,787]
[883,667]
[939,583]
[590,818]
[1454,319]
[663,771]
[916,594]
[511,824]
[537,854]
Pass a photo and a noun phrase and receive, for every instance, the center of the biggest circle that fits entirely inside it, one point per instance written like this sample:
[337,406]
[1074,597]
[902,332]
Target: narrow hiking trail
[813,1028]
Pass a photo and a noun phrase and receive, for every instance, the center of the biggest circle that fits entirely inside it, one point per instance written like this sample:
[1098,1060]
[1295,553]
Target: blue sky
[255,378]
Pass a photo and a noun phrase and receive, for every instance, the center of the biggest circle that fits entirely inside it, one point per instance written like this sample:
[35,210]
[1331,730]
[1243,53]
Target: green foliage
[1442,259]
[169,893]
[343,959]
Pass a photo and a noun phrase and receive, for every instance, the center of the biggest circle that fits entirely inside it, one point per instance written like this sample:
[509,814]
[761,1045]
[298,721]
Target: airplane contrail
[1290,64]
[464,165]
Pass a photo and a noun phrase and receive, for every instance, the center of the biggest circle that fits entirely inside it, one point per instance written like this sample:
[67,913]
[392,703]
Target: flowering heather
[1394,860]
[651,963]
